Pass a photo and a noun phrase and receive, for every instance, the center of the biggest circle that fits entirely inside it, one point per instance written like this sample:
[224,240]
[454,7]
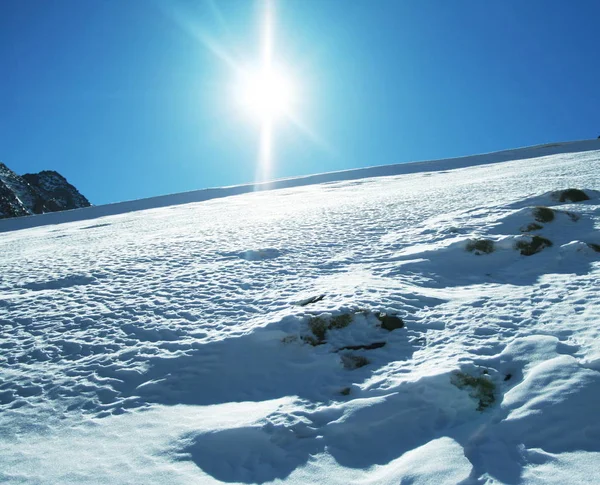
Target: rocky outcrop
[58,194]
[10,205]
[36,193]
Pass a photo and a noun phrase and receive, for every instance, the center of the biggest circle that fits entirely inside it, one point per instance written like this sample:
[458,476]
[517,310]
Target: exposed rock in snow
[47,191]
[57,193]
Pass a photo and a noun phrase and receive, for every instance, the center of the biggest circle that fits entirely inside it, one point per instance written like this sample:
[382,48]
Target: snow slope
[88,213]
[177,344]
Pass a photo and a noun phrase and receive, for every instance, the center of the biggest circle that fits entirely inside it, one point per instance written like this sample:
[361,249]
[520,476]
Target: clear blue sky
[127,99]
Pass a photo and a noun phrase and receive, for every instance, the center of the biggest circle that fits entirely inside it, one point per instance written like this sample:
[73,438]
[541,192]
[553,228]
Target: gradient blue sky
[128,99]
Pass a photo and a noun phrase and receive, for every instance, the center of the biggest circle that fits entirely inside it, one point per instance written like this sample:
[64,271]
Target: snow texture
[238,338]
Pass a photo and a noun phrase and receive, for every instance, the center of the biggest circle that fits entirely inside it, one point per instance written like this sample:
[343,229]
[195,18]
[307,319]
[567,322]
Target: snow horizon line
[205,194]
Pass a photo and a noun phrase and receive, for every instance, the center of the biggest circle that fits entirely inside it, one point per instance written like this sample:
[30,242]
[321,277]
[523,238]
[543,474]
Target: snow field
[170,345]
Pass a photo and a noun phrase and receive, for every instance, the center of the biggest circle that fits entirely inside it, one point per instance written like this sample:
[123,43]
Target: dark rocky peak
[36,193]
[58,193]
[22,191]
[10,205]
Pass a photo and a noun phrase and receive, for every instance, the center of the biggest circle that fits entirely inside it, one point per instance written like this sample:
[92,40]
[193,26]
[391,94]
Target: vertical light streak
[268,37]
[266,150]
[265,160]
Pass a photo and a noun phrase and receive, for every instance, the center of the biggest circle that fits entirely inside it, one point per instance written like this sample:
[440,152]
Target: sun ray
[264,91]
[267,41]
[311,134]
[265,158]
[185,22]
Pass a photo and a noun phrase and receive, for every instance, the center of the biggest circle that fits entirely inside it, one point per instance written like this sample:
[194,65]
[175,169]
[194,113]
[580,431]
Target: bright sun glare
[265,90]
[267,94]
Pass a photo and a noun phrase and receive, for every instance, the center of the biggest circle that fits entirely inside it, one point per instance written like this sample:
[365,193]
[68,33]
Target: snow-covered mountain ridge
[437,326]
[378,171]
[36,193]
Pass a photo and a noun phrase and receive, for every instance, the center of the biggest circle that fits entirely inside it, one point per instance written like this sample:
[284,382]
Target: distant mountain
[36,193]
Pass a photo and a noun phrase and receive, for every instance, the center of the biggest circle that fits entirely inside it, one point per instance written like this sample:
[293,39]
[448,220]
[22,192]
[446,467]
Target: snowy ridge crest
[433,166]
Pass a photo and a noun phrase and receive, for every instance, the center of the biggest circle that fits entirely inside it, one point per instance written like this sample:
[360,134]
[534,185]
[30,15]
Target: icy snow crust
[170,345]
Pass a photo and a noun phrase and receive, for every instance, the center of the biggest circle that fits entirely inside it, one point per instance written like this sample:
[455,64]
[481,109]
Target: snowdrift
[432,323]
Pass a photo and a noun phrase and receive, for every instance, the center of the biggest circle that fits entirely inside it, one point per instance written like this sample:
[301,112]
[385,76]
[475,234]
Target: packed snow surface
[257,337]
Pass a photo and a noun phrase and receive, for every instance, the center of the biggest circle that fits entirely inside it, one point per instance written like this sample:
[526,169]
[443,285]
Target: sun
[267,94]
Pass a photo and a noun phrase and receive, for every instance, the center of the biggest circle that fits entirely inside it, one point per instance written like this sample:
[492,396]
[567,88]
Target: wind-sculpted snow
[240,339]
